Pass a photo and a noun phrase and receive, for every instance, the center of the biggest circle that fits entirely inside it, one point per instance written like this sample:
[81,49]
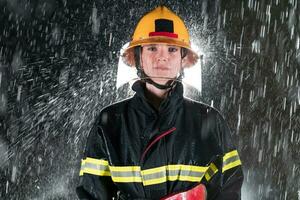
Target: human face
[161,62]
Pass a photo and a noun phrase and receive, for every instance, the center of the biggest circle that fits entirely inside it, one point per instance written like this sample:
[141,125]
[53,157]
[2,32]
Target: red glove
[196,193]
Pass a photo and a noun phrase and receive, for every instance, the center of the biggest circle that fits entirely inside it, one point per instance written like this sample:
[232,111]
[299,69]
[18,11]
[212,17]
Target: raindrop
[6,190]
[265,87]
[291,110]
[298,94]
[239,119]
[224,18]
[256,46]
[260,155]
[13,175]
[284,103]
[241,41]
[292,136]
[270,135]
[262,31]
[95,21]
[19,92]
[234,96]
[251,96]
[17,60]
[241,77]
[3,104]
[110,39]
[63,78]
[242,11]
[268,13]
[275,150]
[275,67]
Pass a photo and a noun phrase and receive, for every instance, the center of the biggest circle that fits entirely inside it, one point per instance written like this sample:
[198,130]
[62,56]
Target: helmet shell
[160,26]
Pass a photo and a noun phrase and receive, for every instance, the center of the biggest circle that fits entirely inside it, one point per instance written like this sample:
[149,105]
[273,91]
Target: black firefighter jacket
[136,152]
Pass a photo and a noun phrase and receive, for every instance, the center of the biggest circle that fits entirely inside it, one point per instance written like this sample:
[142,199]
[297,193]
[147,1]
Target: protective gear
[140,153]
[160,26]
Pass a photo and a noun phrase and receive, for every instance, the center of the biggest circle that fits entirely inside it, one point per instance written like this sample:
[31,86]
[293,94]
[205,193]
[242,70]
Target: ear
[184,62]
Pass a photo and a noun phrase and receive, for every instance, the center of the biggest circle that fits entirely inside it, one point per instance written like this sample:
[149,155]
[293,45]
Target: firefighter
[158,142]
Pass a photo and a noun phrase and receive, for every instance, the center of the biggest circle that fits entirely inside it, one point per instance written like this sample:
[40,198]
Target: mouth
[162,68]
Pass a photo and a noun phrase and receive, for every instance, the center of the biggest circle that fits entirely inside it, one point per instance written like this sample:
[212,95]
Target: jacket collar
[173,100]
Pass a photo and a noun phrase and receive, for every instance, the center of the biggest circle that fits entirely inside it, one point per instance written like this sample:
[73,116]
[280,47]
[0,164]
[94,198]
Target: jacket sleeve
[229,177]
[95,180]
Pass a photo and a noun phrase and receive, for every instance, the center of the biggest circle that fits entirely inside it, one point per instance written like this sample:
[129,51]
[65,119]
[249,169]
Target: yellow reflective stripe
[171,178]
[95,172]
[126,179]
[94,166]
[211,171]
[155,181]
[174,167]
[231,165]
[207,176]
[124,168]
[154,170]
[96,161]
[187,167]
[185,178]
[230,154]
[231,160]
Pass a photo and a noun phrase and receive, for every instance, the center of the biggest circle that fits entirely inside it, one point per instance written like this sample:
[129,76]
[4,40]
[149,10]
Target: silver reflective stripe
[126,173]
[154,175]
[163,174]
[94,166]
[230,160]
[185,173]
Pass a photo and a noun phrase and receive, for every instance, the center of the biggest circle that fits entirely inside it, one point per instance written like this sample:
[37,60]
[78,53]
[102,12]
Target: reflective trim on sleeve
[129,174]
[123,174]
[231,160]
[94,166]
[211,171]
[172,173]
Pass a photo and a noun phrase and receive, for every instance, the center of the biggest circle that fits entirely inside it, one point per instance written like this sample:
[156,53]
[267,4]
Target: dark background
[58,66]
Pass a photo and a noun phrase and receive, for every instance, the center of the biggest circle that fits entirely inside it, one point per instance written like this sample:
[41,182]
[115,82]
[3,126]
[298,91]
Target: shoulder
[117,106]
[112,111]
[201,108]
[208,114]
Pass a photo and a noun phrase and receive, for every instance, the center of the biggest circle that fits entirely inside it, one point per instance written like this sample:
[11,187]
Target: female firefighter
[159,143]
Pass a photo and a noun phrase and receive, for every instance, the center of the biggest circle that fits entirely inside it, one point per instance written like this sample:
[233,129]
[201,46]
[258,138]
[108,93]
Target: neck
[155,95]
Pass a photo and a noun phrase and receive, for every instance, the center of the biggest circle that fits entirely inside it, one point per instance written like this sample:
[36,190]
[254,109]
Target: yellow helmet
[160,26]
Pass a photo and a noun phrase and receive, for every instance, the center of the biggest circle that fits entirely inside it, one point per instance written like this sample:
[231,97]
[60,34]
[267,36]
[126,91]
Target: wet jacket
[136,152]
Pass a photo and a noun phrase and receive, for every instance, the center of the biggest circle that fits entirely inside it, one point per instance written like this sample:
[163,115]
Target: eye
[151,48]
[173,49]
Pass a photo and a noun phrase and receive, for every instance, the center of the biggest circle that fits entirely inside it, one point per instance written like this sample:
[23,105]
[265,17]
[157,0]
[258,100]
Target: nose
[162,54]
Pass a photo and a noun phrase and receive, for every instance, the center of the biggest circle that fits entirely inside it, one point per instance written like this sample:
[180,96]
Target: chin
[162,80]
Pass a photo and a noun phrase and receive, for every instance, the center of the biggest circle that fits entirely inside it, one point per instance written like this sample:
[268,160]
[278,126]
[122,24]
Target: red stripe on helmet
[166,34]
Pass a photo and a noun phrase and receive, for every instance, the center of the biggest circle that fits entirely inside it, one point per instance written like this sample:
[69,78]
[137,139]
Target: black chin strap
[143,76]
